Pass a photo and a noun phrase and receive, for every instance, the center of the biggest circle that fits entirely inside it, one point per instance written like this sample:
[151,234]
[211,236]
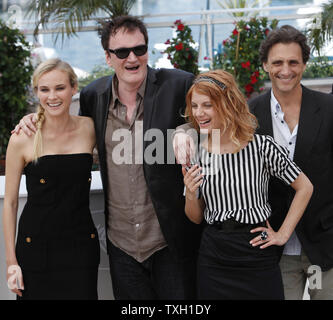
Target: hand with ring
[267,237]
[263,235]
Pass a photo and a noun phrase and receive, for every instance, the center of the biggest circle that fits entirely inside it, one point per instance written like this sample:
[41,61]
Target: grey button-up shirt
[132,224]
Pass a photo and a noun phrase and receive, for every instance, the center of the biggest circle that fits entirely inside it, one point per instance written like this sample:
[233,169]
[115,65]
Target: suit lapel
[149,100]
[103,104]
[263,114]
[308,127]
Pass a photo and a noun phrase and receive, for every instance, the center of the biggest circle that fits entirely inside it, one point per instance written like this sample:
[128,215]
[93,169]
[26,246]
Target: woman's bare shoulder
[86,128]
[21,139]
[85,121]
[20,146]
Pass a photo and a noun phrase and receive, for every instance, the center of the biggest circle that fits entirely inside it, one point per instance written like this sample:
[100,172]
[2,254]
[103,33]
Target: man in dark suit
[301,120]
[151,244]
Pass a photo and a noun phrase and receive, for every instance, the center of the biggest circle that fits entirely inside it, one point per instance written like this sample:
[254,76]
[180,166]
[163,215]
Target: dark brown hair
[129,23]
[285,34]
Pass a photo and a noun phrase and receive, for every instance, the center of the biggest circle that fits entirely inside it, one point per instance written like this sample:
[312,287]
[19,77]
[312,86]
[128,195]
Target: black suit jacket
[314,155]
[164,103]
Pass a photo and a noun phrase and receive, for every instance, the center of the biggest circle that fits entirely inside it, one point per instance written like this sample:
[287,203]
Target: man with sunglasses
[151,244]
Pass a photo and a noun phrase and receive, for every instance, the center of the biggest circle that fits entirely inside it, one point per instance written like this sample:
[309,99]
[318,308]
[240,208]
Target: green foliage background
[180,50]
[98,71]
[15,79]
[240,55]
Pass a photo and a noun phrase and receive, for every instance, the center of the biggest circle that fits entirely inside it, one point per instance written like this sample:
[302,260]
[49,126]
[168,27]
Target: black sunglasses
[123,53]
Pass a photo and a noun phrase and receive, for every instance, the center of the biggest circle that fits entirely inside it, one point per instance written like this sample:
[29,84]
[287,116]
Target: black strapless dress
[57,244]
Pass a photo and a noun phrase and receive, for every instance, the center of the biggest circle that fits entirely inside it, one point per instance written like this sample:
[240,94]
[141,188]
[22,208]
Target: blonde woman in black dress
[238,257]
[57,248]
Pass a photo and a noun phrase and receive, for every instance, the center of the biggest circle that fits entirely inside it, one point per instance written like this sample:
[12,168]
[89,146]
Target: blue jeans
[160,277]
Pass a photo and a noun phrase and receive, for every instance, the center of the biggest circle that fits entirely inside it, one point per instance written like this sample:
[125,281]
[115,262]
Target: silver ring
[263,235]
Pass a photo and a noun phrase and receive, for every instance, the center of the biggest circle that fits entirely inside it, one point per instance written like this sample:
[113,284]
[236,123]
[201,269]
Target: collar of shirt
[282,134]
[275,106]
[115,94]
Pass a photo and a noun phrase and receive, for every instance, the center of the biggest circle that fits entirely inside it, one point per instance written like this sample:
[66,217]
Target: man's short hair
[129,23]
[286,34]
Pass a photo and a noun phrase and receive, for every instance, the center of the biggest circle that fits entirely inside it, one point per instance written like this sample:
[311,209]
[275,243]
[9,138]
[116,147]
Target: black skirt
[59,269]
[70,284]
[230,268]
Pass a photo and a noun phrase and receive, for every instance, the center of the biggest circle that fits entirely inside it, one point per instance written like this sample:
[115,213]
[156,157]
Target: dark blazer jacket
[314,155]
[164,103]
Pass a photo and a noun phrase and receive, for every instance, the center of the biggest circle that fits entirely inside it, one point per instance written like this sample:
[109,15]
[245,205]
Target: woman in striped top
[238,257]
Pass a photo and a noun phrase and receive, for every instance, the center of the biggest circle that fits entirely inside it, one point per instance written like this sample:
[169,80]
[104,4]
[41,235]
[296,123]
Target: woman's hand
[272,237]
[15,279]
[194,206]
[192,180]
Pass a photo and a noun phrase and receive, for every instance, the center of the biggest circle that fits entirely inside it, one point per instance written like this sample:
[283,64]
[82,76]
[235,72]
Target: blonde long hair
[45,67]
[229,103]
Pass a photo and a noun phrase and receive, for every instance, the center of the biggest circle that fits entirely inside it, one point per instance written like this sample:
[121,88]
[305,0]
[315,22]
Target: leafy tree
[318,67]
[321,28]
[238,4]
[70,15]
[15,79]
[97,72]
[181,51]
[240,54]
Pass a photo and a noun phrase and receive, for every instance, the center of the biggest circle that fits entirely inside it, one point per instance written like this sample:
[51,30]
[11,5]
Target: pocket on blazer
[88,250]
[41,190]
[31,253]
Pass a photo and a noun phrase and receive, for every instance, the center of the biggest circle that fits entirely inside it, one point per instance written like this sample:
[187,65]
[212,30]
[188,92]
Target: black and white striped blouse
[235,185]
